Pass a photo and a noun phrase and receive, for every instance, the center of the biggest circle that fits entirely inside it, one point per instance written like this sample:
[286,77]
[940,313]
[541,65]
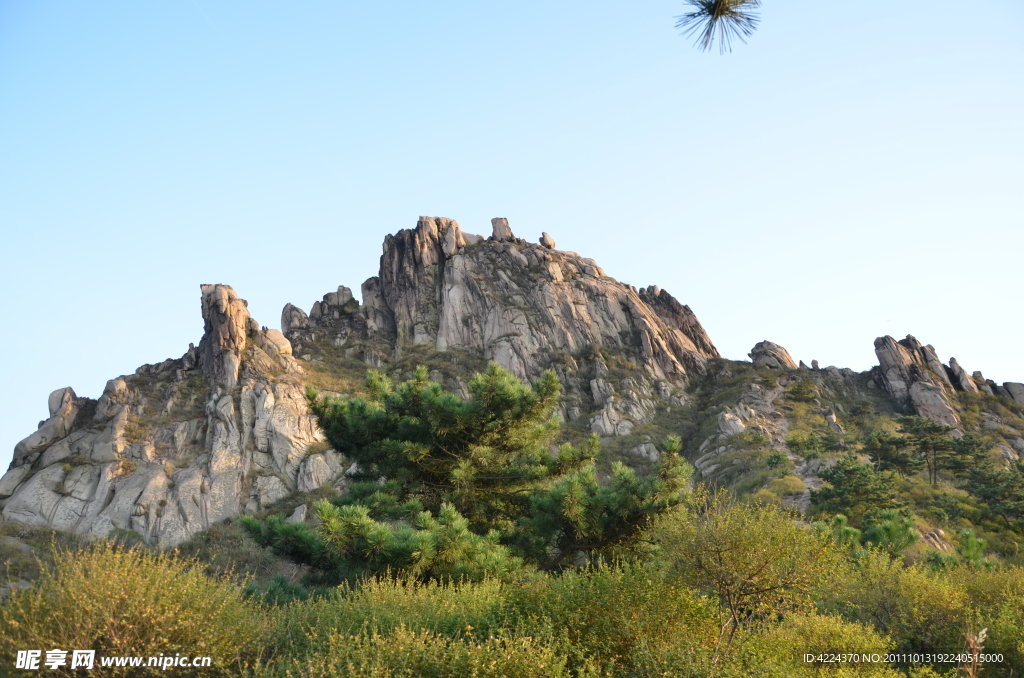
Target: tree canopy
[855,490]
[452,488]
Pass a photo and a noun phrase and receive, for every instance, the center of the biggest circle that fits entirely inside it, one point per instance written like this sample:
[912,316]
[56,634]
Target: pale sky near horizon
[854,170]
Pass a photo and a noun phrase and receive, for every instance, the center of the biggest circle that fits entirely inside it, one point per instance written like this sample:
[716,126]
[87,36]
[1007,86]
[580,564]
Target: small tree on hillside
[1002,489]
[893,533]
[448,487]
[930,441]
[855,490]
[969,450]
[757,560]
[889,452]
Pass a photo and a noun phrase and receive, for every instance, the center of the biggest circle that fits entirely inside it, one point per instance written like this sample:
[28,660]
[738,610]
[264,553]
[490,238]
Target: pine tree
[451,488]
[930,441]
[1002,489]
[720,19]
[889,452]
[855,490]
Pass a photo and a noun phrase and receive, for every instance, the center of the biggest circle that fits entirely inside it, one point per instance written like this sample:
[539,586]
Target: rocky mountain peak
[225,321]
[912,372]
[519,303]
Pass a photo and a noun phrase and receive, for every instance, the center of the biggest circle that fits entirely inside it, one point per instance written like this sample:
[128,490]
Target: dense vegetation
[727,589]
[469,543]
[454,488]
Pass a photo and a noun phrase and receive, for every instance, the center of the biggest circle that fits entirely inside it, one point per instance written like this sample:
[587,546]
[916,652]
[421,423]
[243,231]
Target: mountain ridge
[225,430]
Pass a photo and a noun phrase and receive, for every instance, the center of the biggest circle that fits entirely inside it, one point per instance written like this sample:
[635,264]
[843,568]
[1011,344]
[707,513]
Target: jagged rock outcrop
[913,373]
[769,354]
[518,303]
[959,378]
[226,318]
[176,446]
[526,306]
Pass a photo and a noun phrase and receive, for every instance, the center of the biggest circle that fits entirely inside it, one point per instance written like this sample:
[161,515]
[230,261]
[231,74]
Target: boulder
[547,241]
[314,472]
[10,480]
[936,539]
[896,361]
[960,379]
[337,299]
[982,383]
[1015,390]
[113,399]
[274,343]
[833,422]
[769,354]
[646,451]
[610,421]
[298,515]
[500,230]
[930,401]
[601,390]
[729,424]
[269,489]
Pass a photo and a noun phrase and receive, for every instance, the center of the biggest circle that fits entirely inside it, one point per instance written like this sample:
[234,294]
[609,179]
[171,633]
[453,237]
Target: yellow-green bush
[920,610]
[382,605]
[778,650]
[609,614]
[997,601]
[126,601]
[404,653]
[775,650]
[756,559]
[786,486]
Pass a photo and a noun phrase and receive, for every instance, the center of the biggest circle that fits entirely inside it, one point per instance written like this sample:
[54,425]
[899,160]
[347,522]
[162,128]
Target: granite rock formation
[913,373]
[176,446]
[518,303]
[769,354]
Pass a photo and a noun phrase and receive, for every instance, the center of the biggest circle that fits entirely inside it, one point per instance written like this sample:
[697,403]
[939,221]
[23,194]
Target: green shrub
[616,615]
[404,653]
[917,608]
[778,650]
[997,599]
[803,391]
[786,486]
[383,605]
[755,559]
[128,601]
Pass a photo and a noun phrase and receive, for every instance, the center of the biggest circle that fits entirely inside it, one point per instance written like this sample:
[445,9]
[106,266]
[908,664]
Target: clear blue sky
[855,170]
